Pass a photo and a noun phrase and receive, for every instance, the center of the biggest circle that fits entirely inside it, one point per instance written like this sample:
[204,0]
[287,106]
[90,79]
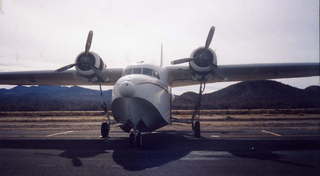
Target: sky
[42,35]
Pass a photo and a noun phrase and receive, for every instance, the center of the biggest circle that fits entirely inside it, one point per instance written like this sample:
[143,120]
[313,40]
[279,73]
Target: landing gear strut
[196,129]
[105,126]
[135,138]
[196,113]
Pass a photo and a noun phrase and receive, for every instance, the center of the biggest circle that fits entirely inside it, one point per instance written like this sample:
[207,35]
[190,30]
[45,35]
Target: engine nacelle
[204,62]
[90,65]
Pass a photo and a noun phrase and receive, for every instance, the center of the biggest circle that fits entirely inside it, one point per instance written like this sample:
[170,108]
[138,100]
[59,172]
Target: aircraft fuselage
[141,98]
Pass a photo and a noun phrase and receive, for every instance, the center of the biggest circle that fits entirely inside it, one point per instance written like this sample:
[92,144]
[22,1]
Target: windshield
[144,71]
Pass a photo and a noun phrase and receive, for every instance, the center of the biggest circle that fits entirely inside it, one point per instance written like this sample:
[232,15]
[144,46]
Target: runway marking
[270,132]
[207,155]
[55,134]
[214,136]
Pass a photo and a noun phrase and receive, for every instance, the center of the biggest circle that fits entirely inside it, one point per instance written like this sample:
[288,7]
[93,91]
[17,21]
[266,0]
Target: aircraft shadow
[162,148]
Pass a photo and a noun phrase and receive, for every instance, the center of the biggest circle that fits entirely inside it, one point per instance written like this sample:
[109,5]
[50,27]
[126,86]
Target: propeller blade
[65,68]
[209,38]
[89,40]
[180,61]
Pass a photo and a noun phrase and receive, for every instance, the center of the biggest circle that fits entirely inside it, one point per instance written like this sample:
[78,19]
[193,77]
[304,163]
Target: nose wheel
[135,138]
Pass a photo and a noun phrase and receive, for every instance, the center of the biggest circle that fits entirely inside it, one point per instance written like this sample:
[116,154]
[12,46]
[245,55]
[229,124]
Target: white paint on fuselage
[152,88]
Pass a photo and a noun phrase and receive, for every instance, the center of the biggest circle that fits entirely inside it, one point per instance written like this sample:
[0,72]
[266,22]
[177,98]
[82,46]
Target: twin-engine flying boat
[142,94]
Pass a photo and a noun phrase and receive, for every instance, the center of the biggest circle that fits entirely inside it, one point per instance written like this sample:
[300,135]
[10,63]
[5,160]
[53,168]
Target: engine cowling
[204,62]
[90,65]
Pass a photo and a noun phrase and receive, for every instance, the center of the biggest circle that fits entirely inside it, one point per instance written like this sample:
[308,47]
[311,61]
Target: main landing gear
[135,138]
[196,129]
[105,129]
[105,126]
[196,113]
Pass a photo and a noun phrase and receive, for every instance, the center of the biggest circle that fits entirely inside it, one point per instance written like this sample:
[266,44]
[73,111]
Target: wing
[51,77]
[181,75]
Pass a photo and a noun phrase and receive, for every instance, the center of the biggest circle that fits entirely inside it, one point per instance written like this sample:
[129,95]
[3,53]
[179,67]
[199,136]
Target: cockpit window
[127,71]
[145,71]
[136,71]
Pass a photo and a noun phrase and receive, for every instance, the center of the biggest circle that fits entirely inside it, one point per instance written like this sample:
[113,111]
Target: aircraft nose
[126,89]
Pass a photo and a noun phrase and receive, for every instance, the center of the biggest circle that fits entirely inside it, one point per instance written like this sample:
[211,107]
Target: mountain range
[44,98]
[263,94]
[243,95]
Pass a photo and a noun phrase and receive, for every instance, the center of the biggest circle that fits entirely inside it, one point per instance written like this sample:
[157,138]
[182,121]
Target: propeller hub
[85,61]
[203,57]
[204,62]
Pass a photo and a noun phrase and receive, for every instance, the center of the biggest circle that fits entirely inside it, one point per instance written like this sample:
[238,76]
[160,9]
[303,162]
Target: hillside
[254,94]
[51,98]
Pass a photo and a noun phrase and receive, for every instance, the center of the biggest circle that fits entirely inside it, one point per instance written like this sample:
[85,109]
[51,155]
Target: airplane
[142,93]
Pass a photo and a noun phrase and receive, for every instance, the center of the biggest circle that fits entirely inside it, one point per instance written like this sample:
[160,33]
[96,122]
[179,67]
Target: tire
[131,138]
[196,129]
[105,128]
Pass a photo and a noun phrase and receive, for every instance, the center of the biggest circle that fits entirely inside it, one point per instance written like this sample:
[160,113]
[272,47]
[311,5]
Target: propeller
[207,44]
[67,67]
[87,49]
[210,36]
[89,41]
[180,61]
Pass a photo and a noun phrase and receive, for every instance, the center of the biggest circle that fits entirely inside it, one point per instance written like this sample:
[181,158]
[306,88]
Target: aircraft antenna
[161,56]
[1,10]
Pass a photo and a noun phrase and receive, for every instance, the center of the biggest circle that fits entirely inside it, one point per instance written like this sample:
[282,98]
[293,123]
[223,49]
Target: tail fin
[161,56]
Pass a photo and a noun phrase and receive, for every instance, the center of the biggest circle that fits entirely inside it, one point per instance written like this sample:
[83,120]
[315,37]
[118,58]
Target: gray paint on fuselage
[148,106]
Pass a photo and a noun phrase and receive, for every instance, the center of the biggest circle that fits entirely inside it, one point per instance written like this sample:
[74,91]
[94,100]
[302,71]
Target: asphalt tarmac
[74,148]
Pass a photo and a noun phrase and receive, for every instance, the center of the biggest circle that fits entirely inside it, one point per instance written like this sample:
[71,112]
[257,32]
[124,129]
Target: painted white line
[214,136]
[55,134]
[200,158]
[207,155]
[270,132]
